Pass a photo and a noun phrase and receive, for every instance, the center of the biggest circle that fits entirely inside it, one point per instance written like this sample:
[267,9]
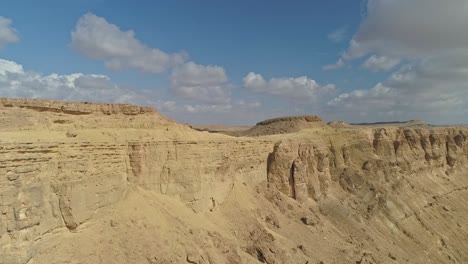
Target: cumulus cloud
[416,28]
[15,82]
[242,112]
[207,84]
[240,105]
[96,38]
[299,89]
[380,63]
[409,29]
[197,109]
[335,66]
[166,106]
[7,32]
[243,103]
[431,37]
[10,67]
[338,35]
[18,83]
[433,89]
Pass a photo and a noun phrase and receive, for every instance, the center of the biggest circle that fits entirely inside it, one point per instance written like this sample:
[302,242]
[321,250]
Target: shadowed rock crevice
[292,183]
[66,211]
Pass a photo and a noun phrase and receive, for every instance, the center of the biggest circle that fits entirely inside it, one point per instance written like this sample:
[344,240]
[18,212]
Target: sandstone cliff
[406,185]
[99,183]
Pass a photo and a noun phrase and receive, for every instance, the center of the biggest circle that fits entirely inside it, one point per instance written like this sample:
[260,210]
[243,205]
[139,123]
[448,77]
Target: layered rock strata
[384,194]
[409,184]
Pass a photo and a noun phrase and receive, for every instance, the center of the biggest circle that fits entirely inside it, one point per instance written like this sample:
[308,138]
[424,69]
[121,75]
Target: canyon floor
[107,183]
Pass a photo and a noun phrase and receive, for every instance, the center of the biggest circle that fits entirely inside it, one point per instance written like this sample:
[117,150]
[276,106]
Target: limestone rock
[282,125]
[136,187]
[299,170]
[74,108]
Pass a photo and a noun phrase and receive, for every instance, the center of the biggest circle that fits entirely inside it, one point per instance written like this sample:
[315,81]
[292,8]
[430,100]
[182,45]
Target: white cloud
[15,82]
[380,63]
[166,106]
[240,105]
[198,109]
[433,89]
[207,84]
[243,103]
[337,65]
[98,39]
[300,88]
[10,67]
[338,35]
[7,32]
[242,112]
[401,28]
[432,37]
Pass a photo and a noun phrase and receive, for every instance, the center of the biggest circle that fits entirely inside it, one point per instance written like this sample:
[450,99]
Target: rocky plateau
[116,183]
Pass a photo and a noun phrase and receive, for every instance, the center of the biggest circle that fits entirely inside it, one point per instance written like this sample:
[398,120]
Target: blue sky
[239,62]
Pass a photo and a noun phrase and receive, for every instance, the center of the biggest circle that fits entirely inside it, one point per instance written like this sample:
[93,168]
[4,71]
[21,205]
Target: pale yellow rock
[104,183]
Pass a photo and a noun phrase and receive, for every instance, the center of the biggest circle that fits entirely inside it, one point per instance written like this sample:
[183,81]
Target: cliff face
[201,174]
[49,185]
[408,184]
[381,154]
[99,183]
[74,108]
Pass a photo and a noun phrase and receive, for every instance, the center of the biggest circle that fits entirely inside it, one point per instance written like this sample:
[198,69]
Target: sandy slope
[151,228]
[87,183]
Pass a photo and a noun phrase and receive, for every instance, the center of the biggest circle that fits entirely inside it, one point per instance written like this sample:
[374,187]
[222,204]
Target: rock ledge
[74,108]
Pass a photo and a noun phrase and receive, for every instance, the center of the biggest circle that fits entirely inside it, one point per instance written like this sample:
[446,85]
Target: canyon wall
[51,185]
[399,190]
[199,173]
[48,185]
[407,184]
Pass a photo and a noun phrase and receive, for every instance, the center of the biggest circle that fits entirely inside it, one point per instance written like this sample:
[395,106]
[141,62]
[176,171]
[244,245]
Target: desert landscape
[232,132]
[116,183]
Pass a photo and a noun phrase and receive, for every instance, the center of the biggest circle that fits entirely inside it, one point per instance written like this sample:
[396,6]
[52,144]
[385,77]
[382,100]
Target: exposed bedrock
[75,108]
[199,173]
[299,170]
[51,186]
[407,184]
[381,154]
[282,125]
[404,188]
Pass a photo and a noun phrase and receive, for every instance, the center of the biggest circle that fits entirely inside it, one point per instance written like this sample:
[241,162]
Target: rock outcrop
[292,119]
[199,173]
[99,183]
[51,182]
[299,170]
[74,108]
[281,125]
[396,178]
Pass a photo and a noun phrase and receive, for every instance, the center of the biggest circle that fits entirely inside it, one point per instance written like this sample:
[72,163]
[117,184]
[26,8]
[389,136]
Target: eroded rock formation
[281,125]
[299,170]
[75,108]
[100,183]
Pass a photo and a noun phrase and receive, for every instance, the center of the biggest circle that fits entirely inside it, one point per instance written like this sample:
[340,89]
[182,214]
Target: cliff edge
[281,125]
[103,183]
